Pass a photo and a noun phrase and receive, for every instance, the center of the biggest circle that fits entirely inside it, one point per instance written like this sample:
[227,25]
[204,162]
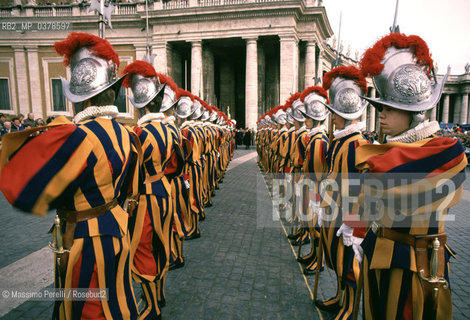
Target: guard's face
[394,121]
[308,123]
[338,121]
[297,124]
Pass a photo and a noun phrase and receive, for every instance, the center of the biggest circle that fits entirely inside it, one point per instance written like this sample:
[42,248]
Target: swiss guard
[406,258]
[149,222]
[84,170]
[314,166]
[346,85]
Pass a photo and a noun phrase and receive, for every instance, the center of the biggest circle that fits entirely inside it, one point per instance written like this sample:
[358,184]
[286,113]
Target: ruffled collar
[187,123]
[151,117]
[107,112]
[420,132]
[170,119]
[315,130]
[348,130]
[301,129]
[283,129]
[291,129]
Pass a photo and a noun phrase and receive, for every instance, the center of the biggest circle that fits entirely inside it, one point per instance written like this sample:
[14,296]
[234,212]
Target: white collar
[170,119]
[352,128]
[315,130]
[197,122]
[291,129]
[283,129]
[151,117]
[420,132]
[301,129]
[107,112]
[187,123]
[206,124]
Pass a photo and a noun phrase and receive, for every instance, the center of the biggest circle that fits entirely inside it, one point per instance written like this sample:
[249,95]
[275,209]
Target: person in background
[6,128]
[16,125]
[29,121]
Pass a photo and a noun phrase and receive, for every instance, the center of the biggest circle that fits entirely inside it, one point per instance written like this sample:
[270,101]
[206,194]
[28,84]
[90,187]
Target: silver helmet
[90,75]
[213,116]
[315,107]
[404,84]
[298,110]
[197,110]
[280,117]
[346,86]
[205,114]
[168,101]
[289,117]
[184,107]
[144,89]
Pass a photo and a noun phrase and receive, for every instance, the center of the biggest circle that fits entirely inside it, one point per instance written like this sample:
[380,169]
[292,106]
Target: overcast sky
[443,24]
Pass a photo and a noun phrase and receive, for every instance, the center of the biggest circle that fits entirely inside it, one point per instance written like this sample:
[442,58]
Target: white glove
[347,233]
[358,251]
[297,190]
[320,217]
[288,177]
[186,183]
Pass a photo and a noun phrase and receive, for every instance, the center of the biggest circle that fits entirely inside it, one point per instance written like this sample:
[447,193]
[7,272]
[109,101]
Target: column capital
[30,47]
[250,39]
[288,37]
[196,43]
[17,48]
[310,42]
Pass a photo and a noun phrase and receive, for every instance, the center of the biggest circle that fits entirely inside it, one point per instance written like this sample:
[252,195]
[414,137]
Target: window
[58,98]
[121,101]
[4,95]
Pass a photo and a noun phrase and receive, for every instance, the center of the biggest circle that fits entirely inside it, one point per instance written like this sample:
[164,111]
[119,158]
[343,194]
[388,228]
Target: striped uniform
[194,171]
[392,287]
[314,168]
[179,193]
[153,219]
[340,159]
[79,167]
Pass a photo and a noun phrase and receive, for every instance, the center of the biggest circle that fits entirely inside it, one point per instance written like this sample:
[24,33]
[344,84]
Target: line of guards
[390,253]
[126,198]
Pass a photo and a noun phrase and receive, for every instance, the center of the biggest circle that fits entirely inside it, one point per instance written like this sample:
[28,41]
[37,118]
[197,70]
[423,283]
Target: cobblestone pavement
[241,268]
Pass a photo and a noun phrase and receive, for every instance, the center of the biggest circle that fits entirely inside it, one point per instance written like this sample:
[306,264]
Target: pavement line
[240,160]
[295,256]
[29,274]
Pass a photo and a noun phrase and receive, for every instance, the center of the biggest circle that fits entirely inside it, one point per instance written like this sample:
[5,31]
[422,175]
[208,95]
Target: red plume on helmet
[163,78]
[76,40]
[351,73]
[291,99]
[316,89]
[370,62]
[181,92]
[143,68]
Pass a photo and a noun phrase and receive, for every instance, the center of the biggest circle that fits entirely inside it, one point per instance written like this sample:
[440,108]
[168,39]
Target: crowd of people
[373,211]
[9,123]
[126,197]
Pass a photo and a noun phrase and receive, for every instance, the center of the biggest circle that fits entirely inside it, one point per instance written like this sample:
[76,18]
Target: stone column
[35,81]
[196,68]
[22,81]
[457,108]
[251,83]
[464,113]
[289,66]
[160,59]
[445,111]
[310,64]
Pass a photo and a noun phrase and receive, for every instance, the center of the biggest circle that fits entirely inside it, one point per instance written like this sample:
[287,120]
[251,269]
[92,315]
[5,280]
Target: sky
[443,24]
